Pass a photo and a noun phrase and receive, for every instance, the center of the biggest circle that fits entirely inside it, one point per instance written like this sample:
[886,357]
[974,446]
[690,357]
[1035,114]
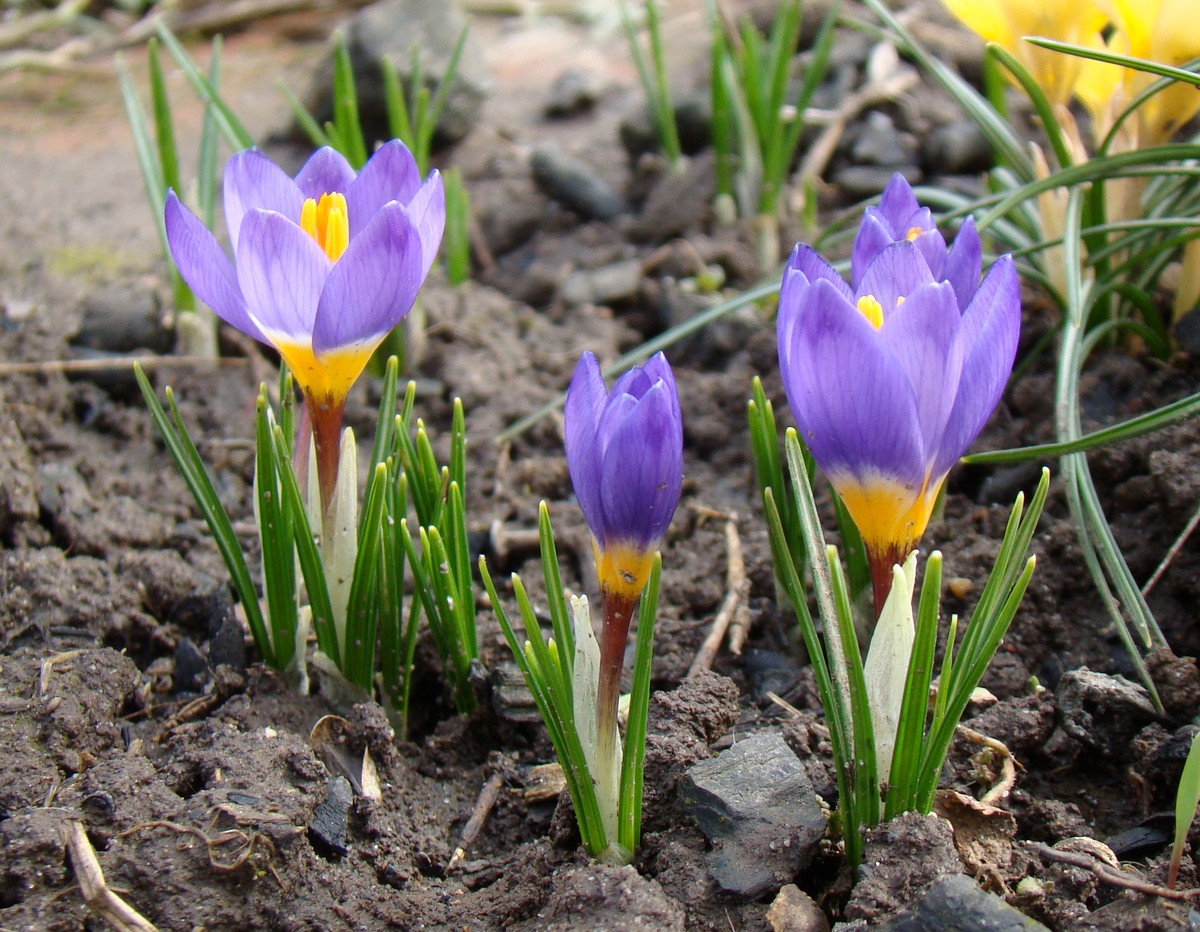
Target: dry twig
[1109,874]
[733,617]
[96,893]
[483,808]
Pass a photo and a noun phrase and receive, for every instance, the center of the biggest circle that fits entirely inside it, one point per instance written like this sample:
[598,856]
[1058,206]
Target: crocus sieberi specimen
[324,266]
[625,455]
[892,379]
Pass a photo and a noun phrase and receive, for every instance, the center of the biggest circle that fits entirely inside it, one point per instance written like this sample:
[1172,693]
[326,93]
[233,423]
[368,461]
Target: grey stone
[573,91]
[574,184]
[679,202]
[228,646]
[191,667]
[879,142]
[956,148]
[1103,712]
[693,123]
[755,805]
[124,317]
[607,285]
[958,904]
[389,31]
[327,831]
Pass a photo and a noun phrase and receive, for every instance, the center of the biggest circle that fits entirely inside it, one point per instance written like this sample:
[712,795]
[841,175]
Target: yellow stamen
[913,233]
[327,221]
[622,569]
[871,309]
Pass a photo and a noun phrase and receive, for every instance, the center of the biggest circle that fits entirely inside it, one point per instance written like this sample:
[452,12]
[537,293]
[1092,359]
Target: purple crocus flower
[890,381]
[325,265]
[899,217]
[625,455]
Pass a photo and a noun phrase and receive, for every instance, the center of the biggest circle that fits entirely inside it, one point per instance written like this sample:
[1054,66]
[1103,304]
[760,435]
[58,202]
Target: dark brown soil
[198,786]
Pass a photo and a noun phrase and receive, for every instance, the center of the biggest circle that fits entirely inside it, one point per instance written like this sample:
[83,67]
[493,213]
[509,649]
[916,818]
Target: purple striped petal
[896,273]
[372,286]
[642,470]
[873,237]
[325,172]
[897,204]
[205,267]
[990,330]
[390,175]
[923,337]
[851,399]
[427,209]
[964,263]
[586,399]
[253,180]
[281,270]
[808,263]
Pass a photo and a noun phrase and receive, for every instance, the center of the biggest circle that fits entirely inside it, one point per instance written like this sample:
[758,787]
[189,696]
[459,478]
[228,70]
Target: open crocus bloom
[899,217]
[625,455]
[1007,22]
[324,266]
[1161,31]
[891,381]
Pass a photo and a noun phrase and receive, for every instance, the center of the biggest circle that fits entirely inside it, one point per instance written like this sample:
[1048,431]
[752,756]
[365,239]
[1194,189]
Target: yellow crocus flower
[1161,31]
[1006,23]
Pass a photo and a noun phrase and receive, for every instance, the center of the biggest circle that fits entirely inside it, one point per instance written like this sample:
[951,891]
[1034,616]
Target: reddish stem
[618,611]
[326,418]
[881,563]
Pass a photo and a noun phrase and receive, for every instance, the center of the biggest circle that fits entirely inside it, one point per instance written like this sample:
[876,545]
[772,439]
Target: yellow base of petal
[890,516]
[622,570]
[329,379]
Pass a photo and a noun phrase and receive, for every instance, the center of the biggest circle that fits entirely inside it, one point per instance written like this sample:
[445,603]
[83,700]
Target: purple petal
[373,285]
[923,336]
[929,241]
[428,212]
[897,272]
[389,175]
[205,266]
[898,204]
[586,399]
[281,270]
[851,399]
[642,470]
[253,180]
[991,327]
[325,172]
[808,262]
[964,263]
[873,237]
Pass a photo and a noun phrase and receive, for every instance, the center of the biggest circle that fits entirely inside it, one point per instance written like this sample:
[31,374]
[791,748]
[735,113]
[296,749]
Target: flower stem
[618,611]
[326,418]
[881,562]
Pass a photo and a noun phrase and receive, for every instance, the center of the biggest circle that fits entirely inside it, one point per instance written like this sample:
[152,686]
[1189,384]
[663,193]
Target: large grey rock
[1103,712]
[574,184]
[958,904]
[755,805]
[390,30]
